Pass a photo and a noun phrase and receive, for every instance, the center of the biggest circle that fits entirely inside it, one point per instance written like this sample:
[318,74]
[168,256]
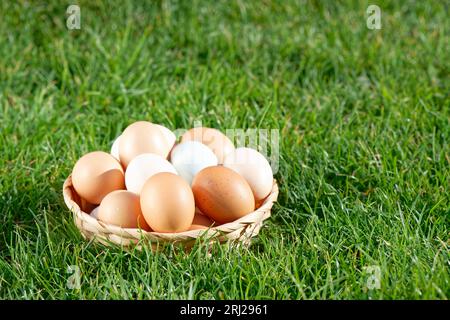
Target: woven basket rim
[257,216]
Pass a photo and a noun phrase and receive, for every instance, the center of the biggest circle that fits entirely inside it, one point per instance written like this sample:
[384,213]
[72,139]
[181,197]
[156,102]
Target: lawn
[364,123]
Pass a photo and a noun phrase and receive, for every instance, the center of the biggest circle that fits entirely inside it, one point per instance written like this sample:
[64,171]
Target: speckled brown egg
[222,194]
[122,208]
[96,174]
[219,143]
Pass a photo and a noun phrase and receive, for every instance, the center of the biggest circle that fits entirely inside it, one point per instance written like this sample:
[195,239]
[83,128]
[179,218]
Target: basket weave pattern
[241,230]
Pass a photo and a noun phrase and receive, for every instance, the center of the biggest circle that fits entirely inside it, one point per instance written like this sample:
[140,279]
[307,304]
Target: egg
[254,167]
[190,157]
[259,203]
[168,135]
[94,213]
[142,137]
[122,208]
[115,148]
[143,167]
[201,222]
[86,206]
[219,143]
[96,174]
[167,203]
[222,194]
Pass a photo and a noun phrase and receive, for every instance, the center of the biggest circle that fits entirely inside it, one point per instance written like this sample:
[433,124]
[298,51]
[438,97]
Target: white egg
[115,148]
[254,167]
[94,213]
[190,157]
[169,135]
[143,167]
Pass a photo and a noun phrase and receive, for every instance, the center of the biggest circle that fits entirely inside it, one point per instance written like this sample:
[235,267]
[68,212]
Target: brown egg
[96,174]
[142,137]
[86,206]
[167,203]
[222,194]
[122,208]
[201,222]
[259,203]
[197,227]
[219,143]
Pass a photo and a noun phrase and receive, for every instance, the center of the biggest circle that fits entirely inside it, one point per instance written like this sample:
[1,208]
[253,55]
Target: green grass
[364,120]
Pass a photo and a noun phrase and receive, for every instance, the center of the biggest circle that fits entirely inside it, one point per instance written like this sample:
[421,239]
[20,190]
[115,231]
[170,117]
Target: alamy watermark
[264,140]
[73,21]
[74,280]
[373,277]
[373,21]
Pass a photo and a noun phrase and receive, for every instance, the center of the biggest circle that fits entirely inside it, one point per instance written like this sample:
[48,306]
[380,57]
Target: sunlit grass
[364,125]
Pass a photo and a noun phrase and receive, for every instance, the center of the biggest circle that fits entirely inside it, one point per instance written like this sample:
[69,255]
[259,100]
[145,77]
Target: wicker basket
[239,231]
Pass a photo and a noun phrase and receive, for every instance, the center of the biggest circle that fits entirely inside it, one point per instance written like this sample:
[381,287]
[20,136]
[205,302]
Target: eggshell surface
[169,136]
[167,203]
[254,167]
[122,208]
[115,148]
[222,194]
[201,222]
[94,213]
[96,174]
[219,143]
[190,157]
[142,137]
[142,167]
[87,206]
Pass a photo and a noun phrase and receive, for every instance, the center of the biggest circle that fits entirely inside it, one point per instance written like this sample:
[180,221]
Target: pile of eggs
[150,181]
